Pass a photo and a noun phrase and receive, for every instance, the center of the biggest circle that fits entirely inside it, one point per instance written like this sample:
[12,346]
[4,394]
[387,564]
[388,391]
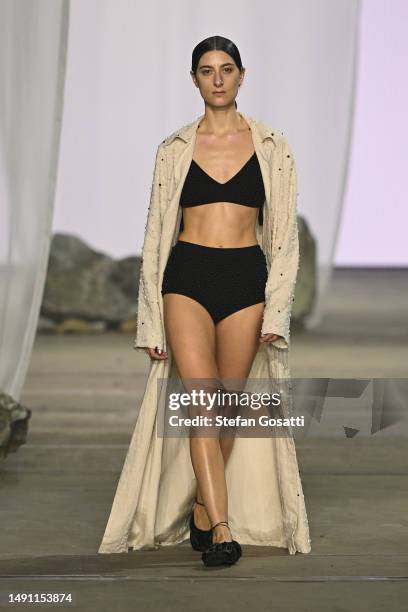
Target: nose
[217,80]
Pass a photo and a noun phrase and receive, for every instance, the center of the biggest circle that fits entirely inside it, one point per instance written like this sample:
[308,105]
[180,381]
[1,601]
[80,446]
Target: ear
[194,78]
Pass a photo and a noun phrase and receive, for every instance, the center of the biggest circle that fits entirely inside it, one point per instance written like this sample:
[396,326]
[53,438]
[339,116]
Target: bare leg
[190,333]
[196,345]
[236,346]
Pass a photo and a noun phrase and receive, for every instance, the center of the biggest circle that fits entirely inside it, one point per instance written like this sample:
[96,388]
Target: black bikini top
[246,187]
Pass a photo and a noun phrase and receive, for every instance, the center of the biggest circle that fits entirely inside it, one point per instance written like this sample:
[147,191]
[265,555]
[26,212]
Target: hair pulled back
[215,43]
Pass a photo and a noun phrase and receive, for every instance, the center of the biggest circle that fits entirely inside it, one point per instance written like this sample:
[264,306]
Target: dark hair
[215,43]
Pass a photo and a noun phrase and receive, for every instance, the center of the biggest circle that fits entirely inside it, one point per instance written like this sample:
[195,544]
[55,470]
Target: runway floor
[84,391]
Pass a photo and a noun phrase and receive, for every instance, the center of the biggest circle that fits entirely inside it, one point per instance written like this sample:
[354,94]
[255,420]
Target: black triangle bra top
[246,187]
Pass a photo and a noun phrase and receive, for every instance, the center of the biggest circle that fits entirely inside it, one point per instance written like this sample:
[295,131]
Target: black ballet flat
[222,553]
[200,539]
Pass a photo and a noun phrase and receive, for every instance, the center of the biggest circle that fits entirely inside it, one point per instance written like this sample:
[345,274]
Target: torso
[221,224]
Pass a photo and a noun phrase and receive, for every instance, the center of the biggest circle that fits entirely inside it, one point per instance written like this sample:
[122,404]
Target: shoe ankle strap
[221,523]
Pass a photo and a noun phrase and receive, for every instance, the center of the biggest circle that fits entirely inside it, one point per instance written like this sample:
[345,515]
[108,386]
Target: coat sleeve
[280,287]
[148,325]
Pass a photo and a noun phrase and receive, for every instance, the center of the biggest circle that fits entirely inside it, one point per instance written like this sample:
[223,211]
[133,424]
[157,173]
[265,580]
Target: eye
[206,71]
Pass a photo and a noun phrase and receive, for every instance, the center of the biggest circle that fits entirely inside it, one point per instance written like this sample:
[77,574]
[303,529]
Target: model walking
[219,265]
[214,282]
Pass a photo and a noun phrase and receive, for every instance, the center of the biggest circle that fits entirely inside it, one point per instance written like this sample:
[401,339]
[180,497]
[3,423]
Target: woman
[221,309]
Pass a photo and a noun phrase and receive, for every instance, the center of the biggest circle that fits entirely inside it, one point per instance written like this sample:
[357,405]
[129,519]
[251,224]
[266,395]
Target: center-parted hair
[215,43]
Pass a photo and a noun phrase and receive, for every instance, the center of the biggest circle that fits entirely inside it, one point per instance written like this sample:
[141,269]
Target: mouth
[218,93]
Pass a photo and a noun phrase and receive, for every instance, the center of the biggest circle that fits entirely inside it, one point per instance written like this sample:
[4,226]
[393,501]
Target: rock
[13,424]
[306,288]
[84,284]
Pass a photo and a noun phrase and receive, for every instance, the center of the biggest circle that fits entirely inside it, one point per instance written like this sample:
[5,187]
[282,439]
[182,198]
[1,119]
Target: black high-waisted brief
[223,280]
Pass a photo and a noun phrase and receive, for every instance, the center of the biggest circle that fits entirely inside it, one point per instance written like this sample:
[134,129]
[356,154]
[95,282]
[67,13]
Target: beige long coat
[155,492]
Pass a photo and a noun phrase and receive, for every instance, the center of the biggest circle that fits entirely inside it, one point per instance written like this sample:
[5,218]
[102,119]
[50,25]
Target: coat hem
[242,538]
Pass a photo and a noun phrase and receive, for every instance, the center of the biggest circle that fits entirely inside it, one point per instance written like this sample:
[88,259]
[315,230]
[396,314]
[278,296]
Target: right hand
[154,354]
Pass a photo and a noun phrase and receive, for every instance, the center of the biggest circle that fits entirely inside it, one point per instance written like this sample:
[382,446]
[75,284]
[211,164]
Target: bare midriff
[228,225]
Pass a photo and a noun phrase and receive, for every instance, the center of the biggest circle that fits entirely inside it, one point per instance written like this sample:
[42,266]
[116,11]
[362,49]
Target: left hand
[269,337]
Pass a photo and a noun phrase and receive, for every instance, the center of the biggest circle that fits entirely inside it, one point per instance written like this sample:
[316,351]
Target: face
[218,78]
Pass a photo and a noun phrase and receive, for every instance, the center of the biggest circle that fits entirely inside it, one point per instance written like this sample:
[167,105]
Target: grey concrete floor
[84,392]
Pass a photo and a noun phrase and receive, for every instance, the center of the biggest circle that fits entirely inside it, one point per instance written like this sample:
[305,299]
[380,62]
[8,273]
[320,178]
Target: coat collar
[187,131]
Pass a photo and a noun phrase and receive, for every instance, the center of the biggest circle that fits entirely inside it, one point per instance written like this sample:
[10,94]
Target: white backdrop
[375,217]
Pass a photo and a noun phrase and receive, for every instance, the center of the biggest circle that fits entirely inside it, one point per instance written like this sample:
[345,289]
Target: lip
[217,93]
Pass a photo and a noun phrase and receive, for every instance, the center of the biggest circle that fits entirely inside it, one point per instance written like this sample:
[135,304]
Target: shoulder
[183,133]
[268,131]
[275,141]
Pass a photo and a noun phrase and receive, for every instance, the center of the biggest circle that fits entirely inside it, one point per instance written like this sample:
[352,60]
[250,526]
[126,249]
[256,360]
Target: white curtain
[33,43]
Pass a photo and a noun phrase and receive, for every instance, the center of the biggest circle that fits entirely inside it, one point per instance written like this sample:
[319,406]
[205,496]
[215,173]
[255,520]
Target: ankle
[201,518]
[221,533]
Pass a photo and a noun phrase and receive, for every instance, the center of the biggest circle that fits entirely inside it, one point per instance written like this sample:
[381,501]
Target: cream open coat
[156,489]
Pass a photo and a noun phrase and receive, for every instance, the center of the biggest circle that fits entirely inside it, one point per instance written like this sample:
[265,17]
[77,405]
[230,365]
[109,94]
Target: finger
[157,354]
